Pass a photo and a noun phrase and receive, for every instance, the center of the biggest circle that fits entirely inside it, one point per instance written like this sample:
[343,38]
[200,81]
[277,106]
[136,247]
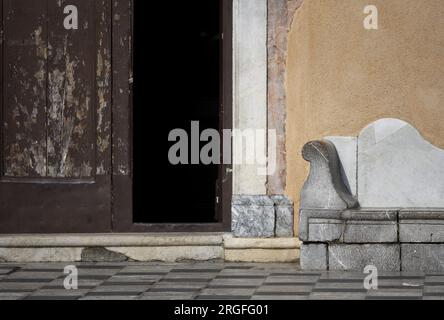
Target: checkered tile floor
[208,281]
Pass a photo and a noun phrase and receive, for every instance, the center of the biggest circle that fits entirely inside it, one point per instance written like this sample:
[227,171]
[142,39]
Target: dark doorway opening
[179,72]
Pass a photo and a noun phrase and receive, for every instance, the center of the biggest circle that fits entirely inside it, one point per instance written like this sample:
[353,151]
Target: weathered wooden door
[55,117]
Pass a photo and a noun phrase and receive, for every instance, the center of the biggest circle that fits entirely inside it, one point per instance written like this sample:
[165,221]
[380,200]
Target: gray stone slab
[178,296]
[236,282]
[319,217]
[35,275]
[422,257]
[112,294]
[371,214]
[114,298]
[370,232]
[370,226]
[21,286]
[432,297]
[134,277]
[51,298]
[395,293]
[253,217]
[398,168]
[337,296]
[131,288]
[435,278]
[292,279]
[281,200]
[401,283]
[227,292]
[280,297]
[421,231]
[340,285]
[147,269]
[59,283]
[385,257]
[284,221]
[222,297]
[13,296]
[6,271]
[421,225]
[314,257]
[59,293]
[435,289]
[284,290]
[240,277]
[181,275]
[350,226]
[325,230]
[195,270]
[252,200]
[188,280]
[402,275]
[243,272]
[340,276]
[186,286]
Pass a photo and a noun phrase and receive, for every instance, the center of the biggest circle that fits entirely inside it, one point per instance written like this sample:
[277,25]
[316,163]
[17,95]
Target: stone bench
[376,199]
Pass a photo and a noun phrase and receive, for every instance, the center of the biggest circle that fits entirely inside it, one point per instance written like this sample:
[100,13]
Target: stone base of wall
[261,216]
[261,250]
[391,239]
[146,248]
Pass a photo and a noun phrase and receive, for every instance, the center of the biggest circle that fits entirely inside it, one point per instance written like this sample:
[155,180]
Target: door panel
[56,118]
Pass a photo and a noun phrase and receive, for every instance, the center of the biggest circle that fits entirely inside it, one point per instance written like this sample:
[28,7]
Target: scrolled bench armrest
[324,188]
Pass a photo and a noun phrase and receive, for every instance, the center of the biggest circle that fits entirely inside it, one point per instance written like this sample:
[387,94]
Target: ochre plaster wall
[341,77]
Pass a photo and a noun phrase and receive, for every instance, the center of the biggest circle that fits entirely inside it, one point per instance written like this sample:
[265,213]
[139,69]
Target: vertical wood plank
[2,96]
[122,75]
[71,63]
[103,86]
[122,121]
[25,80]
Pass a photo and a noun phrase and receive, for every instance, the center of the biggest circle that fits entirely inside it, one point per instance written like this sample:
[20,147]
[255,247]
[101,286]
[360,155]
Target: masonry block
[385,257]
[284,209]
[314,257]
[370,226]
[421,225]
[422,257]
[253,217]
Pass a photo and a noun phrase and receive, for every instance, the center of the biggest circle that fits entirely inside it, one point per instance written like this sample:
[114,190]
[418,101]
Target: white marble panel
[398,168]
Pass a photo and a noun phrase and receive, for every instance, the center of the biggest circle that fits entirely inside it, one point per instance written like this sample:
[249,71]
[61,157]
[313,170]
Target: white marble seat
[375,198]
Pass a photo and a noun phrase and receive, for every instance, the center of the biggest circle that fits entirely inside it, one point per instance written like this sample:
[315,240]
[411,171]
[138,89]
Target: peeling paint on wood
[24,72]
[122,49]
[103,87]
[57,121]
[52,163]
[70,118]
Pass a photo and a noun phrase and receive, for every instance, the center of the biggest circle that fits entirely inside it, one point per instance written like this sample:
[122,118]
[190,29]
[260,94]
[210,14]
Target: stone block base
[422,257]
[350,257]
[261,250]
[261,216]
[385,257]
[389,239]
